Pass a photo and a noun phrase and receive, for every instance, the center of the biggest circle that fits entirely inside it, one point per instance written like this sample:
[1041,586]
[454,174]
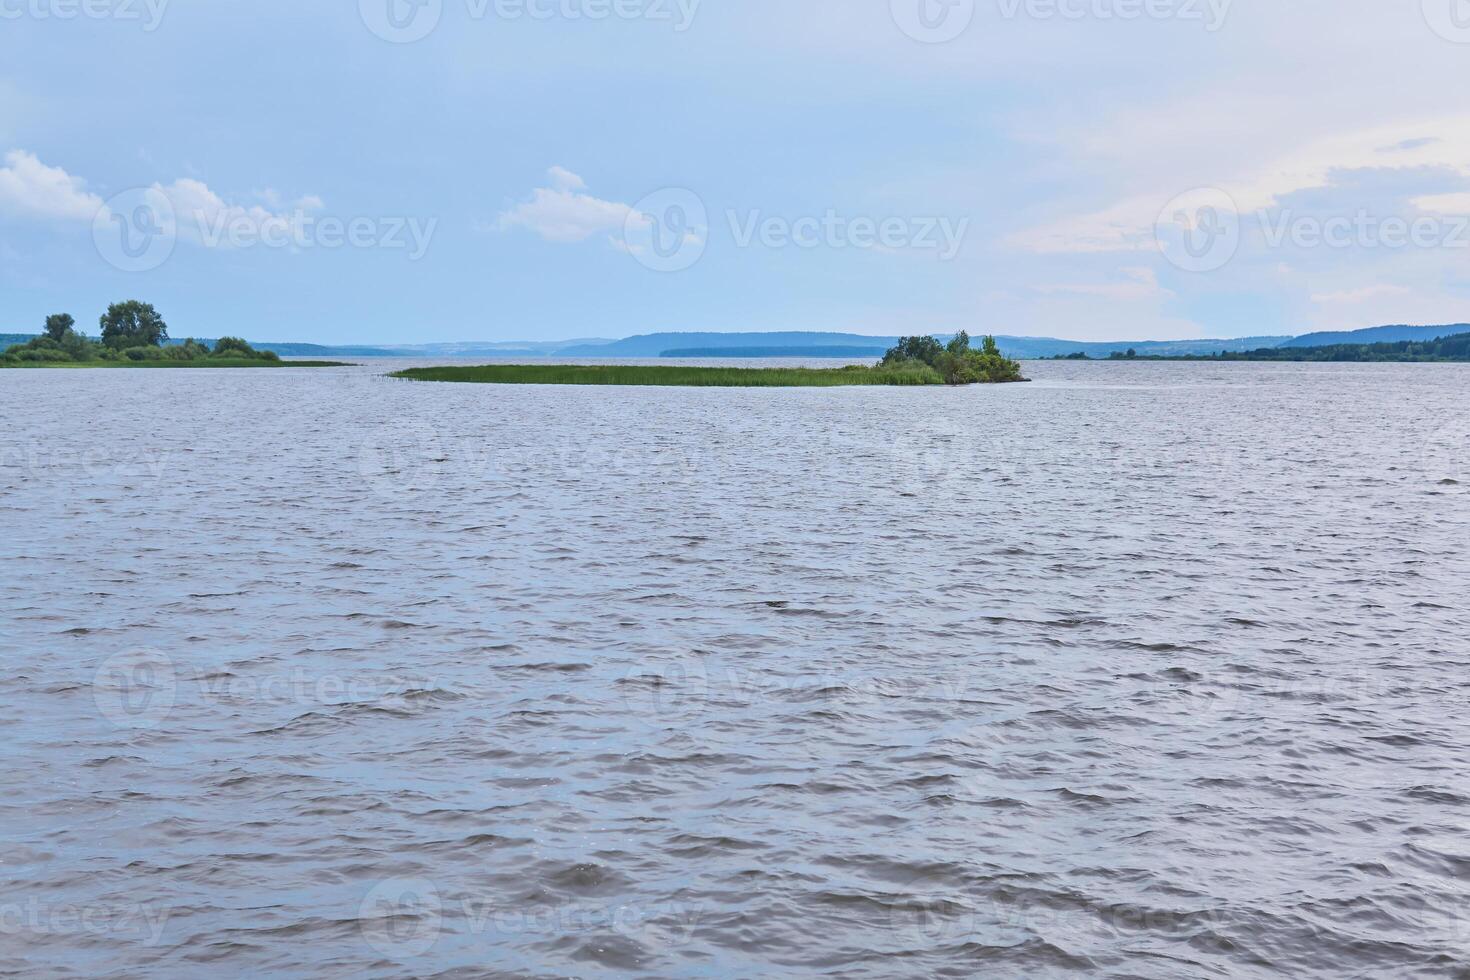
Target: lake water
[1141,670]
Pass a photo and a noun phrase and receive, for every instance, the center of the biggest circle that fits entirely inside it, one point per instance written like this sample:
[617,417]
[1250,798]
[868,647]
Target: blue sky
[548,169]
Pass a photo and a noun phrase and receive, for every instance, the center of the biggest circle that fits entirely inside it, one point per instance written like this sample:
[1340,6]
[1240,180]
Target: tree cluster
[130,331]
[956,362]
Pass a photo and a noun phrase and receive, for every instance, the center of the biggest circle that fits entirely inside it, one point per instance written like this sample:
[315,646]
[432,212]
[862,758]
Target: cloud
[561,214]
[565,180]
[207,219]
[28,187]
[1142,283]
[1360,295]
[1128,225]
[1455,204]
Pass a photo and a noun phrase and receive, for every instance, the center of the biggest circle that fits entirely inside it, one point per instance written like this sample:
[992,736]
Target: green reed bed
[213,362]
[707,377]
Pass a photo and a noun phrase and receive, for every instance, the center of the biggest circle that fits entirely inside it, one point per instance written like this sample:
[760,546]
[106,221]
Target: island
[915,361]
[1453,349]
[134,335]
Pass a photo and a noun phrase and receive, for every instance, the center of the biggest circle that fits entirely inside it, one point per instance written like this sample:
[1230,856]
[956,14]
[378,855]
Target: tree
[960,345]
[226,346]
[58,325]
[925,349]
[133,324]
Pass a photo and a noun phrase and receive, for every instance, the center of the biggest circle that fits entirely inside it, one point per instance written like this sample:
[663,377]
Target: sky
[415,171]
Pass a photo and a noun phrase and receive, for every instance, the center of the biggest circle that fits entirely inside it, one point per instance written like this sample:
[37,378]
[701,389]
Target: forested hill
[1456,348]
[1377,335]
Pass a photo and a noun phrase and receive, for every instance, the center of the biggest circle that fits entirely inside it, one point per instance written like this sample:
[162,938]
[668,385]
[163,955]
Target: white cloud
[207,219]
[561,214]
[565,180]
[1456,204]
[1128,225]
[1142,283]
[1361,294]
[28,187]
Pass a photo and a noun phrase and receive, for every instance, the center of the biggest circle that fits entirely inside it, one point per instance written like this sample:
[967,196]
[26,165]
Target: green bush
[144,353]
[956,363]
[43,355]
[233,347]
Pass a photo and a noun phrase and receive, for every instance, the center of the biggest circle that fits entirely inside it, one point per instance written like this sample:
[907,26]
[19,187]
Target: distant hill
[1454,348]
[1376,335]
[317,350]
[741,344]
[841,352]
[794,343]
[654,344]
[508,348]
[1042,347]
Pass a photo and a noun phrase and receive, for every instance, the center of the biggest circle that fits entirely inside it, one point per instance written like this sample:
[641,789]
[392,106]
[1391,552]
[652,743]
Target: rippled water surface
[1142,670]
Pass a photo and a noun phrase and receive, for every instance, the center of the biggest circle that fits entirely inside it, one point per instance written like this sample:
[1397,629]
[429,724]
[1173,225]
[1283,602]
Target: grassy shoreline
[217,362]
[676,376]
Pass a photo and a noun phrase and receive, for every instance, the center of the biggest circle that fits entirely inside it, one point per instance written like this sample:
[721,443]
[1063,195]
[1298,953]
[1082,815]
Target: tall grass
[710,377]
[211,362]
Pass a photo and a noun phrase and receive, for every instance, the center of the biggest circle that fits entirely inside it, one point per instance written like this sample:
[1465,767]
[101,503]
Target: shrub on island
[132,332]
[956,362]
